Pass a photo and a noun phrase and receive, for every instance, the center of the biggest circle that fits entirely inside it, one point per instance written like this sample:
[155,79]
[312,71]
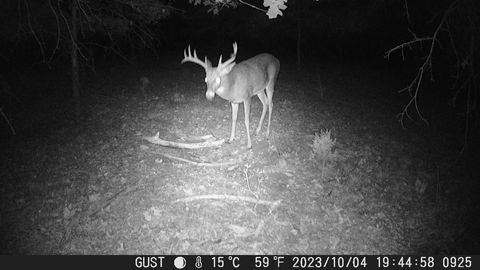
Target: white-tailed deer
[237,83]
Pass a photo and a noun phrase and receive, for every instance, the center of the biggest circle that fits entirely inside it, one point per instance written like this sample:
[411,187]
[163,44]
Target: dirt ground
[96,186]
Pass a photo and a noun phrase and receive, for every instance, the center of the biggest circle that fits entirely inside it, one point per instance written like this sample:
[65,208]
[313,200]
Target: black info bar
[267,262]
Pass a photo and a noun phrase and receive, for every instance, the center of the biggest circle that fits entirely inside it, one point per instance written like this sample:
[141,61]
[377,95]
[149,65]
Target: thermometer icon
[198,262]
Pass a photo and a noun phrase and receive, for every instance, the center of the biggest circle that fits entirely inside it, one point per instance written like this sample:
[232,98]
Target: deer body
[237,83]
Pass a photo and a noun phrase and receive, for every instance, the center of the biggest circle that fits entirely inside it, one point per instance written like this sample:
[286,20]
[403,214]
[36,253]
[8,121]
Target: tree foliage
[101,23]
[274,10]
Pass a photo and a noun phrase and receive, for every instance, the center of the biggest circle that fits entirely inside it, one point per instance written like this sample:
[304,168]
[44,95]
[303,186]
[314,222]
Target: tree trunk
[74,59]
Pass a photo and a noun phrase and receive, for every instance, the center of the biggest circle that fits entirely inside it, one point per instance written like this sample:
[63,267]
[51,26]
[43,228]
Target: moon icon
[179,262]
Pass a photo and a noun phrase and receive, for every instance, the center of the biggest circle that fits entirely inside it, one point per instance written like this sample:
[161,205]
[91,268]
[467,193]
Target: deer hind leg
[263,99]
[269,91]
[246,109]
[234,120]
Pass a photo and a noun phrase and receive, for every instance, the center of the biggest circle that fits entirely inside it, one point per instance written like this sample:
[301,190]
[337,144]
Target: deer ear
[225,70]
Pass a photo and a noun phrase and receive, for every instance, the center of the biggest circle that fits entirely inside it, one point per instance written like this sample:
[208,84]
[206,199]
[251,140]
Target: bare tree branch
[34,34]
[414,86]
[252,6]
[8,121]
[57,43]
[407,12]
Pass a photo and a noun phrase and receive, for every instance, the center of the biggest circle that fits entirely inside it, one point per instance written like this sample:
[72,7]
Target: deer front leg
[263,99]
[234,121]
[269,91]
[246,109]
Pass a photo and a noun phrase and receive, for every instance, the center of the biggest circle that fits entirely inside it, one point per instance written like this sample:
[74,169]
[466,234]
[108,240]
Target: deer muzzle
[210,95]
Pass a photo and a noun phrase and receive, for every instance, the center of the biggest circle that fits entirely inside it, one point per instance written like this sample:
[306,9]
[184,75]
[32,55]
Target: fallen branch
[206,164]
[228,197]
[208,137]
[156,140]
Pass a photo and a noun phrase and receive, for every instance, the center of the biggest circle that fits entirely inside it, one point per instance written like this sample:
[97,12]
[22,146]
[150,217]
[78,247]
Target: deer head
[215,76]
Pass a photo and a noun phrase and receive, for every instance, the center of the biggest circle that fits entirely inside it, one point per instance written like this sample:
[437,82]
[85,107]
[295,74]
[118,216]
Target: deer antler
[232,57]
[187,57]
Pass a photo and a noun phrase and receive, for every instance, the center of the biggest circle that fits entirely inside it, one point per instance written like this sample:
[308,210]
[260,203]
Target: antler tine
[234,49]
[185,54]
[187,57]
[232,57]
[219,61]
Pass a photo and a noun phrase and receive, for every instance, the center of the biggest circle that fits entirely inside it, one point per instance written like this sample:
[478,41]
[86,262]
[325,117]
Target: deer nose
[210,95]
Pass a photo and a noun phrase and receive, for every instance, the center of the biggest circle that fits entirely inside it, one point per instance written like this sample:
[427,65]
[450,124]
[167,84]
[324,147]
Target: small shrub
[178,98]
[322,145]
[144,85]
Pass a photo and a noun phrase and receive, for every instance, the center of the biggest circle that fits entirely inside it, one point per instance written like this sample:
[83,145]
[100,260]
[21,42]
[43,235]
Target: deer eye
[206,80]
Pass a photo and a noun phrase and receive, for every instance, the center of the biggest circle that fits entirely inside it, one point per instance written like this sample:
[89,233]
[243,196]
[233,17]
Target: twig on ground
[260,226]
[205,164]
[247,179]
[273,204]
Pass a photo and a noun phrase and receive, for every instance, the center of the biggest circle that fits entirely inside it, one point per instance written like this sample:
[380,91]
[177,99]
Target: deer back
[241,81]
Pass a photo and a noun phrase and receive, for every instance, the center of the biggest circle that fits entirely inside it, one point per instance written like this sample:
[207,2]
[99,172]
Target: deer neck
[224,89]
